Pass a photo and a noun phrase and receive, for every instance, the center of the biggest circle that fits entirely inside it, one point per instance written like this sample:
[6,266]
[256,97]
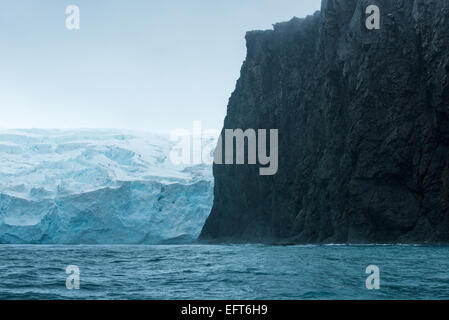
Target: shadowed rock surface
[363,119]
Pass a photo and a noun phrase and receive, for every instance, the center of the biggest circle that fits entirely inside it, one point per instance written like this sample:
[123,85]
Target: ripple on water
[224,272]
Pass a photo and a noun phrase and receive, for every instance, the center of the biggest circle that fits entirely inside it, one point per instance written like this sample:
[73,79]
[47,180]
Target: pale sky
[136,64]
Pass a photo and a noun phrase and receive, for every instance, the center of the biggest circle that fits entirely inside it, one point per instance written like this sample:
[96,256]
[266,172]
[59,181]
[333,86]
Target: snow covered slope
[98,186]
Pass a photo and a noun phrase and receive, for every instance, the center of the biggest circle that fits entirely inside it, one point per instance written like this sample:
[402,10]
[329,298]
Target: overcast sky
[135,64]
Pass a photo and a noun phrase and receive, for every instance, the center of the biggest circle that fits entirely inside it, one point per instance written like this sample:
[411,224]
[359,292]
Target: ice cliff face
[98,186]
[363,119]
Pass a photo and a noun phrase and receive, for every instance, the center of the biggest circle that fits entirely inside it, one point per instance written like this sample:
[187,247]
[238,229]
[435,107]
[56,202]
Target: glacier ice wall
[98,187]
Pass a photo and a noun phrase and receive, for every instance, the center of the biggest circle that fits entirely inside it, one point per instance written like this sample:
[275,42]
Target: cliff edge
[363,120]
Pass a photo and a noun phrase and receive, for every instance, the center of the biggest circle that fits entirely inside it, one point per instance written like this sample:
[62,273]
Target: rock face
[363,119]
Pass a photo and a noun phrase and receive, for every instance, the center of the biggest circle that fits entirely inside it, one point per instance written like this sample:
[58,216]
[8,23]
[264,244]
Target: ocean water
[224,272]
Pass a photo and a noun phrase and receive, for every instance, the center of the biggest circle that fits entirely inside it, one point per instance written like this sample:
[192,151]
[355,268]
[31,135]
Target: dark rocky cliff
[363,119]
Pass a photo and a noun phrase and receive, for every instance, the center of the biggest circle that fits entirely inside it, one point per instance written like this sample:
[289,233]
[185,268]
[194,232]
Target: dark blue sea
[224,272]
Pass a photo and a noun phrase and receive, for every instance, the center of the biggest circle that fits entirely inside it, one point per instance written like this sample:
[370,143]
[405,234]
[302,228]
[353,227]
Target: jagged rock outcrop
[363,119]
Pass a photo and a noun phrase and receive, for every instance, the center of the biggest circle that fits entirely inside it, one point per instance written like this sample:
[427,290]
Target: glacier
[98,187]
